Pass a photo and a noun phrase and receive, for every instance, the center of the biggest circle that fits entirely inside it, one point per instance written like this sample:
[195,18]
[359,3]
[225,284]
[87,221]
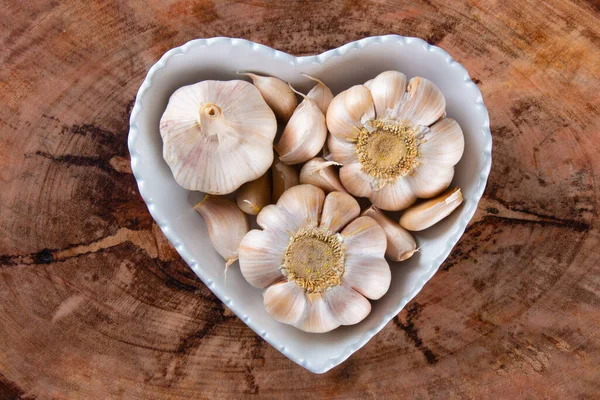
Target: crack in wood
[257,360]
[411,332]
[502,209]
[142,239]
[10,390]
[82,161]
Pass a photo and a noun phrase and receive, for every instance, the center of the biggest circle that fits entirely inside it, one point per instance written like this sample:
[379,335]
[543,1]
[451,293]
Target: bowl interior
[352,64]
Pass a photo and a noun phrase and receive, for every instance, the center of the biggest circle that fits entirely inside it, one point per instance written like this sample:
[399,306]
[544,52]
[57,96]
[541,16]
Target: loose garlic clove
[400,243]
[226,224]
[284,177]
[304,134]
[430,212]
[217,135]
[278,95]
[255,195]
[321,173]
[320,94]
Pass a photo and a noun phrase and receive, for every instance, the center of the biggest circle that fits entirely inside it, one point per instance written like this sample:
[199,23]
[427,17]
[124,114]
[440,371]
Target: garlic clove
[225,130]
[338,210]
[348,111]
[388,89]
[277,219]
[321,173]
[318,318]
[443,143]
[426,214]
[368,275]
[364,237]
[320,94]
[394,196]
[428,180]
[276,93]
[226,224]
[356,181]
[347,305]
[304,135]
[252,196]
[369,83]
[423,105]
[260,257]
[400,243]
[304,202]
[285,302]
[341,150]
[284,177]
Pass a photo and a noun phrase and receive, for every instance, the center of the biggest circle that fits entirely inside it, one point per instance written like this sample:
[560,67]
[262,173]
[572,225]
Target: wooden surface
[95,304]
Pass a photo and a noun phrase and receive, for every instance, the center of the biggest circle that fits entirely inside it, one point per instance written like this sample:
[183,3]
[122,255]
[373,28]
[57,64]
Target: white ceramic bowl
[353,63]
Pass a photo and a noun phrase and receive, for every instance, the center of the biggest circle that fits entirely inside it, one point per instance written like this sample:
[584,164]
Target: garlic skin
[430,212]
[276,93]
[320,94]
[393,140]
[217,135]
[317,259]
[321,173]
[255,195]
[304,135]
[227,225]
[400,243]
[284,177]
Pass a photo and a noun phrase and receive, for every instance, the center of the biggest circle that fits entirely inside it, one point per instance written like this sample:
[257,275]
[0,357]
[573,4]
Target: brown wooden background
[95,304]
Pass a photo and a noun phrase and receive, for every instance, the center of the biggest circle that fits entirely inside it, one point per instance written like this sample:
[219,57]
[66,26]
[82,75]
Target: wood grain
[95,304]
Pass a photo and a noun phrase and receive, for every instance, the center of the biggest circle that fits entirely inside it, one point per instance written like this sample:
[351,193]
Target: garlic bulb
[226,224]
[430,212]
[284,177]
[386,135]
[400,243]
[255,195]
[321,173]
[217,135]
[318,262]
[320,94]
[276,93]
[304,134]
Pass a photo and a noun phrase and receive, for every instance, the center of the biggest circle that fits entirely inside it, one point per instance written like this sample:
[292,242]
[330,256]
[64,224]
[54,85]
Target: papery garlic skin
[322,174]
[317,259]
[304,135]
[277,93]
[217,135]
[251,197]
[391,141]
[400,243]
[428,213]
[227,225]
[284,177]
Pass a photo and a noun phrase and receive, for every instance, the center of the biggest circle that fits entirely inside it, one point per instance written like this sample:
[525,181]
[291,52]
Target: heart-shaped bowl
[354,63]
